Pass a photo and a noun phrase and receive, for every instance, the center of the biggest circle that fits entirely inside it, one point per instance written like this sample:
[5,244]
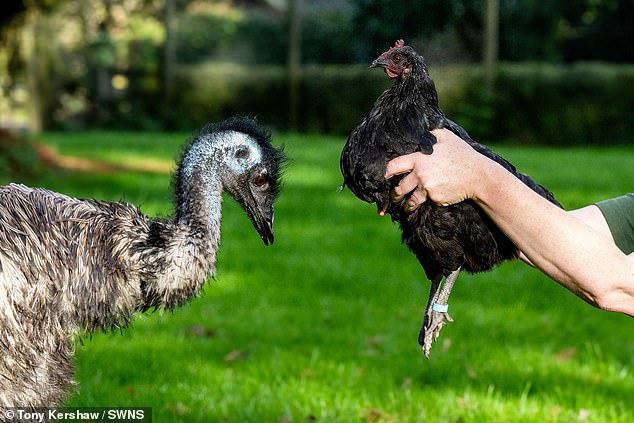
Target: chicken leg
[435,317]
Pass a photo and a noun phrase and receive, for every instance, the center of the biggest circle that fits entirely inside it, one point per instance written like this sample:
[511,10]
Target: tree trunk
[491,41]
[294,61]
[32,61]
[169,57]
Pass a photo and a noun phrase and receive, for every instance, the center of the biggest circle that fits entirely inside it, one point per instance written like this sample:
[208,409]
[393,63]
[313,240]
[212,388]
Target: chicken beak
[380,62]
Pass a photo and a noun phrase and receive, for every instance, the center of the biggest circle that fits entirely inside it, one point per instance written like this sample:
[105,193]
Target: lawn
[322,325]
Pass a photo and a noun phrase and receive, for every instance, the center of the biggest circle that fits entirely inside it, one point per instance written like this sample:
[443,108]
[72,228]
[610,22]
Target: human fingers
[400,165]
[417,198]
[408,184]
[445,135]
[439,132]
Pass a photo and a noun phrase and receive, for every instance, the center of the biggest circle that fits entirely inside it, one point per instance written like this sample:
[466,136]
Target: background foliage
[134,64]
[533,103]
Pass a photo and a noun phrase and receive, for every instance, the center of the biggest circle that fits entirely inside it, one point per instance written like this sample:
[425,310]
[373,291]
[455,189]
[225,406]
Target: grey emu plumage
[72,266]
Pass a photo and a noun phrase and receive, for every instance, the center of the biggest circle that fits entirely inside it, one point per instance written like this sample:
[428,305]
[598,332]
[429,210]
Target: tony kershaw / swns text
[88,414]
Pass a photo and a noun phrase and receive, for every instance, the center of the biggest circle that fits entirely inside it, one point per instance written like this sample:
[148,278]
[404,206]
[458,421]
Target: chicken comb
[397,44]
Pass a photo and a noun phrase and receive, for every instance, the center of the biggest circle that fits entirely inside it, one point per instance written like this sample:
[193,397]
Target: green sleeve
[619,213]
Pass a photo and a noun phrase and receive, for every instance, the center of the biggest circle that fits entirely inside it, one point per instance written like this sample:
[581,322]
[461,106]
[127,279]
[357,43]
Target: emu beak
[265,229]
[262,218]
[258,205]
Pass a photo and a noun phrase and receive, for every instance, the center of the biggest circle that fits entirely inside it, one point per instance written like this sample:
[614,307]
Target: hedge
[585,103]
[332,98]
[531,103]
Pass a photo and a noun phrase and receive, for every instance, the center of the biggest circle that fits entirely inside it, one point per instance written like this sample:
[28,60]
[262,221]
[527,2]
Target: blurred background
[527,71]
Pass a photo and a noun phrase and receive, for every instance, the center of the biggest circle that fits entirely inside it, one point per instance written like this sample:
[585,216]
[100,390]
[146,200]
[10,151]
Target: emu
[71,266]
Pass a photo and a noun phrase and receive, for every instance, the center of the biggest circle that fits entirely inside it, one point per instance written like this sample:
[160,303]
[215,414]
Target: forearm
[562,246]
[580,256]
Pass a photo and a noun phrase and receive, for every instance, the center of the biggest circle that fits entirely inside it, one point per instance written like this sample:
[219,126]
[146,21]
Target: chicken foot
[435,316]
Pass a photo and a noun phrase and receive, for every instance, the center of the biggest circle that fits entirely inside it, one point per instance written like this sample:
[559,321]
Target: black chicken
[444,239]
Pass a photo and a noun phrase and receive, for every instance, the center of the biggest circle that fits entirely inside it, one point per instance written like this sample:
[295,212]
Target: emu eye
[241,153]
[259,181]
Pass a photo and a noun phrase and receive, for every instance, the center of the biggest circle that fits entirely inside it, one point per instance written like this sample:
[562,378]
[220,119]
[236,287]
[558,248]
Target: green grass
[323,325]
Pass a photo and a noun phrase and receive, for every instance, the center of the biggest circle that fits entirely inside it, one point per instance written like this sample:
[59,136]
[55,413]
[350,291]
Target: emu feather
[71,266]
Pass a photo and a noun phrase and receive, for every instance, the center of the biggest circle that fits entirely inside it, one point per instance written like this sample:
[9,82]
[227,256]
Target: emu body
[71,266]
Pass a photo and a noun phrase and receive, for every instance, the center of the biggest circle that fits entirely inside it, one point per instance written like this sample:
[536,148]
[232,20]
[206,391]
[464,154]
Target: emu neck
[184,253]
[199,191]
[200,203]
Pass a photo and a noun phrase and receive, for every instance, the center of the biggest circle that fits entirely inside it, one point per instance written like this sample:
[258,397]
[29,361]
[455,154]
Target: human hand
[447,176]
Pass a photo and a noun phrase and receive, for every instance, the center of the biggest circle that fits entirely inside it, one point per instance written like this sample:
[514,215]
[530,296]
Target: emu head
[236,156]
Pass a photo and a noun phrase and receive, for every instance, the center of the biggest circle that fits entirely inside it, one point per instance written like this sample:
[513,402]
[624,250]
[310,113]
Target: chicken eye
[259,181]
[397,58]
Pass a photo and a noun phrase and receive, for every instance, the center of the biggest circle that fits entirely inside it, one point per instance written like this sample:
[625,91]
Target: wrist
[489,182]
